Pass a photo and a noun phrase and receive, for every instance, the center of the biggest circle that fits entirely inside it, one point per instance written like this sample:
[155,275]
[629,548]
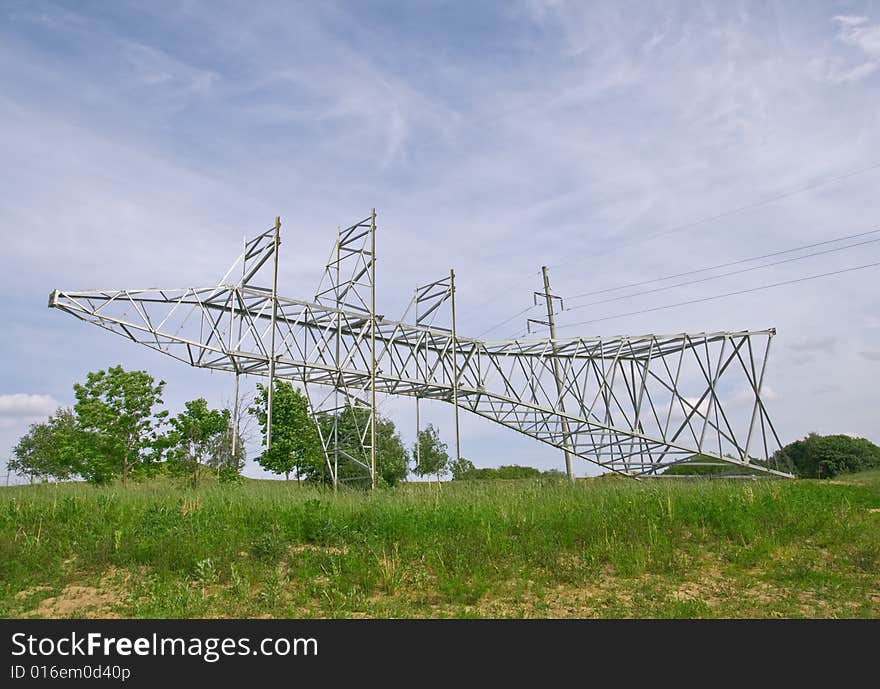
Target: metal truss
[634,405]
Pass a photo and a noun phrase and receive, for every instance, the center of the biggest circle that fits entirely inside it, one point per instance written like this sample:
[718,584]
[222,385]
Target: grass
[602,548]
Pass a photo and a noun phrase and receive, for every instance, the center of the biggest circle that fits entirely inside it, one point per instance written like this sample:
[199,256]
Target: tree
[352,424]
[462,469]
[48,449]
[431,453]
[392,459]
[825,456]
[227,461]
[118,431]
[195,436]
[295,442]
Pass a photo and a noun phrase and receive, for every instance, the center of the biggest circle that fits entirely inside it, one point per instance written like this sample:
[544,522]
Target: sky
[613,142]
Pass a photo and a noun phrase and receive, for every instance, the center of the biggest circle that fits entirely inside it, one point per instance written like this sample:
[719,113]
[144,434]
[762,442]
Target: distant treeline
[117,429]
[816,456]
[464,470]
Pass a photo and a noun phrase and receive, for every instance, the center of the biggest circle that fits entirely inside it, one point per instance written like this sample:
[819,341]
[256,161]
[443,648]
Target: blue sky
[142,141]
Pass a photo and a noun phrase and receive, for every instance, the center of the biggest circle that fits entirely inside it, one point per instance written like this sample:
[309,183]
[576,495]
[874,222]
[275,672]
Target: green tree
[48,449]
[461,469]
[194,436]
[295,442]
[353,423]
[465,470]
[826,456]
[223,458]
[118,431]
[431,452]
[392,459]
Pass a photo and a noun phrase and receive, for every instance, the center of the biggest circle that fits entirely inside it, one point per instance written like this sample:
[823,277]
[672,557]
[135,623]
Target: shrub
[826,456]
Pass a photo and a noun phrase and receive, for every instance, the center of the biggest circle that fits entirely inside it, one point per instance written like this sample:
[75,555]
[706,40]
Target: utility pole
[338,370]
[557,373]
[454,365]
[237,372]
[373,349]
[418,427]
[235,420]
[272,335]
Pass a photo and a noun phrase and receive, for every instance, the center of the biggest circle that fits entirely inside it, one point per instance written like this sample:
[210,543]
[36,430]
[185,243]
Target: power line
[733,211]
[498,295]
[725,265]
[722,275]
[721,296]
[701,270]
[507,320]
[678,228]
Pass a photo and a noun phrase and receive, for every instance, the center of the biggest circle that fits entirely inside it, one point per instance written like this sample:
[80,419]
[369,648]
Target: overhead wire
[725,265]
[721,296]
[721,275]
[507,320]
[733,211]
[688,225]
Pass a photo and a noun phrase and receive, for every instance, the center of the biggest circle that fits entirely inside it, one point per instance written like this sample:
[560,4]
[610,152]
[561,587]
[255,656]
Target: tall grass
[542,548]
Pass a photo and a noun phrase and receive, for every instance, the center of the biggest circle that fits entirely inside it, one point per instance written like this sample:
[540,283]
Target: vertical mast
[272,335]
[454,366]
[373,349]
[557,373]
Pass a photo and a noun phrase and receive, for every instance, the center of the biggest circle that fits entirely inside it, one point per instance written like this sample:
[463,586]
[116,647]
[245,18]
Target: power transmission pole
[272,334]
[418,427]
[339,370]
[557,373]
[237,372]
[454,366]
[373,349]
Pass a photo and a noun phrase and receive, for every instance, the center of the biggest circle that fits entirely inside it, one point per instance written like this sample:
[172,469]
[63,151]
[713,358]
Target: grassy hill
[537,548]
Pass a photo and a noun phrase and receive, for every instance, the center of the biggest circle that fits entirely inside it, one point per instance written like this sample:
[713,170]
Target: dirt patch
[84,601]
[33,590]
[693,590]
[79,601]
[518,598]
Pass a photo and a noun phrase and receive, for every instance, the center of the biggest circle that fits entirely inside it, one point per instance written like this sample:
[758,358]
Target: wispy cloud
[25,405]
[859,32]
[862,35]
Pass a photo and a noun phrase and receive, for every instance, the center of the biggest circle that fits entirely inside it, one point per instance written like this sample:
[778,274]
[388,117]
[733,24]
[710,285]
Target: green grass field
[602,548]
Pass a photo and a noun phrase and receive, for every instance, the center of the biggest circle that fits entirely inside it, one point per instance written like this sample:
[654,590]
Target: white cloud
[23,405]
[856,73]
[849,20]
[745,397]
[860,34]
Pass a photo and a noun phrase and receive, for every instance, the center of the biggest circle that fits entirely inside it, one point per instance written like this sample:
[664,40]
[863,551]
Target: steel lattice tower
[634,405]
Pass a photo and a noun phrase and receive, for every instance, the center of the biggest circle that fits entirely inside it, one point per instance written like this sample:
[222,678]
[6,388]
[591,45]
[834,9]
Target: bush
[826,456]
[230,475]
[687,468]
[513,471]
